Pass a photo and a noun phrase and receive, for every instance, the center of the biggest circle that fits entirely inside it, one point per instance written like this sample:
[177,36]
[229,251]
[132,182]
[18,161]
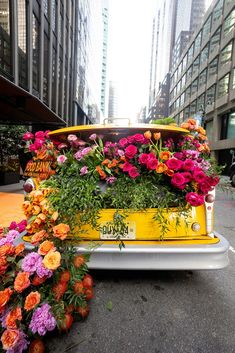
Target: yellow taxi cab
[169,237]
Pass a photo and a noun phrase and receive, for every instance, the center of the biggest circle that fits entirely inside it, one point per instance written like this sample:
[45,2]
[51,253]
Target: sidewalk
[11,199]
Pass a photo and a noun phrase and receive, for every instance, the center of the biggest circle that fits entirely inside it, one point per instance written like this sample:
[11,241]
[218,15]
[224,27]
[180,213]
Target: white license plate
[107,231]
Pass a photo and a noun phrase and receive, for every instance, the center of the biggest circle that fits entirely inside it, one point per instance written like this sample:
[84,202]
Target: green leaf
[109,305]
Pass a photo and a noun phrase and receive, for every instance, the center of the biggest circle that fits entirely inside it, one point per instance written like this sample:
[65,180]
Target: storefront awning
[18,106]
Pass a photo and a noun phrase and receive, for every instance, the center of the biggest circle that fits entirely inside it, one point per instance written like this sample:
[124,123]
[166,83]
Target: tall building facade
[172,17]
[45,64]
[105,16]
[203,81]
[113,101]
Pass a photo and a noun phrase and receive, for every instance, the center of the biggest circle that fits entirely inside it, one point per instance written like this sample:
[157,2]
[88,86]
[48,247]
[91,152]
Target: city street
[161,312]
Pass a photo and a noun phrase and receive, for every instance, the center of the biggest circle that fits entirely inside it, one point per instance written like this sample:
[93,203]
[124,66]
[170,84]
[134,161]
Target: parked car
[189,240]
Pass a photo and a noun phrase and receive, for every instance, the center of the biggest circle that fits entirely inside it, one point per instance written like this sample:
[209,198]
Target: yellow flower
[52,260]
[148,135]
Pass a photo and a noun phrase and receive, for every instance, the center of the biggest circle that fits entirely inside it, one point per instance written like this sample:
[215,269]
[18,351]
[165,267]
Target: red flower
[130,151]
[194,199]
[188,165]
[133,172]
[143,158]
[174,163]
[199,176]
[139,138]
[123,142]
[178,180]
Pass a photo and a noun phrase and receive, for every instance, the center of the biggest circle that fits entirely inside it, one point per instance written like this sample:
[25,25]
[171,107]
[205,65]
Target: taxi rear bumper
[160,257]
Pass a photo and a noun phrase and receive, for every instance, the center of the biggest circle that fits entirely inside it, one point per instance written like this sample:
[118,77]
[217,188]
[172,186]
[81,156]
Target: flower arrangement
[136,172]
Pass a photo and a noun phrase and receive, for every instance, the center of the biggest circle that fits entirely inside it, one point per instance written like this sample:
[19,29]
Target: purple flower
[86,150]
[41,270]
[84,170]
[42,320]
[29,263]
[10,237]
[61,159]
[111,180]
[93,137]
[78,155]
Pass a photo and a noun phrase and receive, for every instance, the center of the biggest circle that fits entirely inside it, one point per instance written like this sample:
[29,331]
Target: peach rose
[52,260]
[19,248]
[39,236]
[54,216]
[169,172]
[161,168]
[165,155]
[4,297]
[32,300]
[61,230]
[148,135]
[45,247]
[21,281]
[13,316]
[10,338]
[157,136]
[6,249]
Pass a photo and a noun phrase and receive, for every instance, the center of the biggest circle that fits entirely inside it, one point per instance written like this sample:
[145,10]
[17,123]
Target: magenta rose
[123,142]
[127,166]
[28,136]
[139,138]
[133,172]
[213,180]
[32,147]
[199,176]
[38,143]
[130,151]
[39,135]
[188,164]
[194,199]
[174,164]
[152,163]
[143,158]
[204,187]
[130,139]
[187,176]
[178,180]
[179,155]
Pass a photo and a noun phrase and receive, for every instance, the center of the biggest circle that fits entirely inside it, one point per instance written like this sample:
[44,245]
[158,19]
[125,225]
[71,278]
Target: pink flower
[152,162]
[133,172]
[194,199]
[178,180]
[62,146]
[174,163]
[143,158]
[213,180]
[28,136]
[111,180]
[38,143]
[179,155]
[130,151]
[39,134]
[199,176]
[187,176]
[61,159]
[72,138]
[84,170]
[93,137]
[32,147]
[46,134]
[205,187]
[188,164]
[139,138]
[127,166]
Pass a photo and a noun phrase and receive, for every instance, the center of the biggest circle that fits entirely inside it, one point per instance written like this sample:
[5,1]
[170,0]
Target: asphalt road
[161,311]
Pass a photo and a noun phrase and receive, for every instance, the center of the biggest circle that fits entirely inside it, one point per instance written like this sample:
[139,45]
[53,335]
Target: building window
[202,78]
[183,81]
[53,79]
[229,23]
[210,95]
[178,87]
[45,7]
[182,98]
[194,86]
[188,93]
[45,68]
[5,38]
[217,12]
[215,40]
[204,54]
[213,68]
[36,34]
[177,103]
[193,107]
[223,86]
[201,102]
[190,53]
[231,126]
[186,113]
[233,85]
[22,43]
[209,129]
[189,73]
[206,28]
[196,64]
[197,43]
[184,62]
[226,54]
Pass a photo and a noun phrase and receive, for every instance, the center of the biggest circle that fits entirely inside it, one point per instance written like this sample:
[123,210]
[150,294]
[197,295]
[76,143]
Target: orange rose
[185,126]
[61,230]
[148,135]
[192,121]
[45,247]
[54,216]
[4,297]
[169,172]
[10,338]
[3,261]
[13,316]
[165,155]
[19,248]
[32,300]
[101,172]
[157,136]
[37,237]
[52,260]
[161,168]
[36,210]
[22,281]
[202,137]
[201,130]
[6,249]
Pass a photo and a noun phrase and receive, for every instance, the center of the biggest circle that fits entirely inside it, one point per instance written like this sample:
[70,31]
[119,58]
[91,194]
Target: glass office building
[44,61]
[203,81]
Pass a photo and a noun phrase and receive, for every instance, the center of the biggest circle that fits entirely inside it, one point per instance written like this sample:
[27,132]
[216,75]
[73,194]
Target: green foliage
[10,137]
[164,121]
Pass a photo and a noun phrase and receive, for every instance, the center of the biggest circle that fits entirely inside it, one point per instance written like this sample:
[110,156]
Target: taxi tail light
[210,198]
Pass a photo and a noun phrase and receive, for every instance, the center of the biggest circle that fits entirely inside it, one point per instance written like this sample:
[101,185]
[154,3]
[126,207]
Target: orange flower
[202,137]
[161,168]
[22,281]
[36,210]
[32,300]
[10,338]
[165,155]
[148,135]
[38,280]
[3,260]
[6,249]
[105,162]
[54,216]
[52,260]
[101,172]
[45,247]
[169,172]
[204,148]
[13,316]
[19,248]
[185,126]
[61,230]
[192,121]
[37,237]
[201,130]
[157,136]
[4,297]
[27,208]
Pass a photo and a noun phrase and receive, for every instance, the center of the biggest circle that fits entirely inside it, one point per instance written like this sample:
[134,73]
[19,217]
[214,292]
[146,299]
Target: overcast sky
[130,32]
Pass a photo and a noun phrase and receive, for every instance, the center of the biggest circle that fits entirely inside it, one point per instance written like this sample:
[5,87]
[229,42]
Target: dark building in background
[160,107]
[180,45]
[44,67]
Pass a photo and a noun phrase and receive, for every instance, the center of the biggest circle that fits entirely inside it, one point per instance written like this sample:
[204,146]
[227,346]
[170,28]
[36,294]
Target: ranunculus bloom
[157,136]
[188,164]
[61,159]
[52,260]
[61,231]
[133,172]
[84,170]
[13,316]
[61,146]
[194,199]
[7,249]
[93,137]
[4,297]
[130,151]
[178,180]
[174,164]
[19,248]
[45,247]
[40,134]
[39,236]
[28,136]
[32,300]
[123,142]
[10,338]
[139,138]
[21,281]
[213,180]
[199,176]
[143,158]
[72,138]
[187,176]
[127,166]
[152,162]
